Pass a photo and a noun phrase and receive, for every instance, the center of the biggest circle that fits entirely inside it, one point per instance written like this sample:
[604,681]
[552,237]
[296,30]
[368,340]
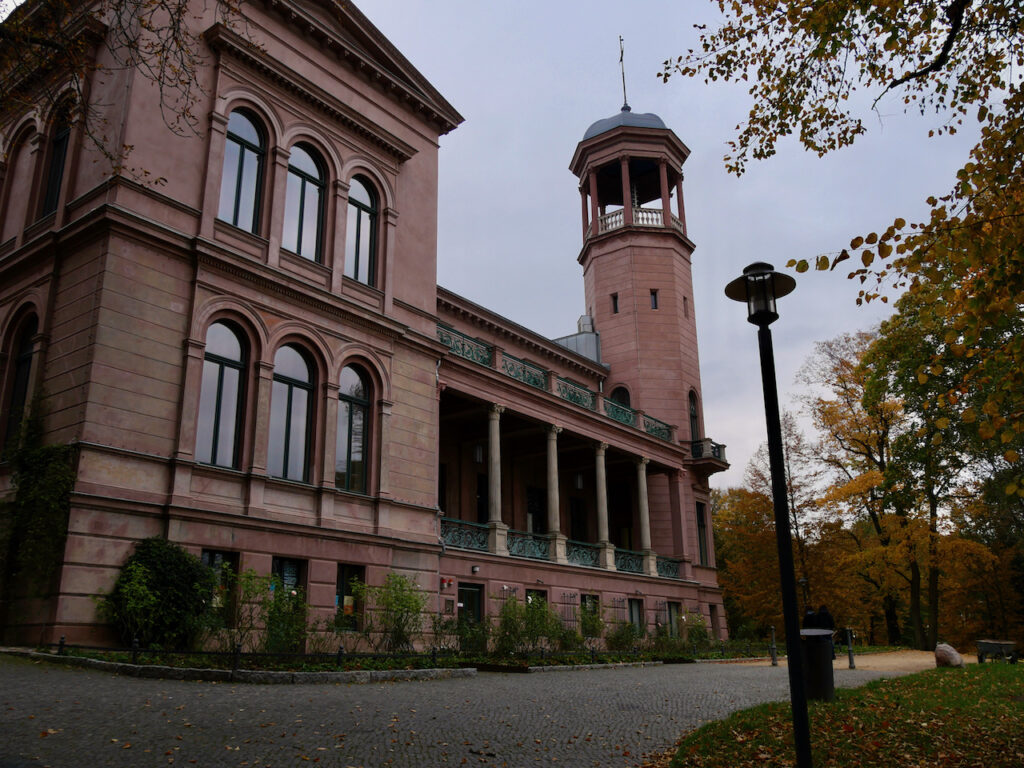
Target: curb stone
[258,677]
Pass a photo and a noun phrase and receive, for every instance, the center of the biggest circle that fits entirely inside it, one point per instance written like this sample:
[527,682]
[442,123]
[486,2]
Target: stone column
[278,168]
[627,196]
[214,170]
[650,564]
[554,520]
[334,255]
[498,536]
[583,212]
[666,204]
[595,225]
[607,554]
[679,201]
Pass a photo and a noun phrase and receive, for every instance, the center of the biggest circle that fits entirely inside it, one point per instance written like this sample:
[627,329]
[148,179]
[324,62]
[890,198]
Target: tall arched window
[694,418]
[290,415]
[620,395]
[303,209]
[361,231]
[353,430]
[21,372]
[59,137]
[220,403]
[20,173]
[243,172]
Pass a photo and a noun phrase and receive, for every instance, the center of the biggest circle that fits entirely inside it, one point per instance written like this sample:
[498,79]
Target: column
[650,564]
[595,223]
[279,191]
[497,539]
[627,196]
[583,212]
[666,204]
[557,552]
[214,171]
[679,202]
[607,553]
[335,256]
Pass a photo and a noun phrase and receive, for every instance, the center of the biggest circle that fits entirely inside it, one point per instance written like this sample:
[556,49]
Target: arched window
[220,403]
[243,172]
[59,138]
[361,232]
[21,372]
[20,173]
[620,395]
[353,429]
[694,418]
[290,415]
[303,208]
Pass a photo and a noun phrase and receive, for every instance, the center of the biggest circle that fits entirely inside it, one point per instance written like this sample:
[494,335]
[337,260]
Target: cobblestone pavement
[66,718]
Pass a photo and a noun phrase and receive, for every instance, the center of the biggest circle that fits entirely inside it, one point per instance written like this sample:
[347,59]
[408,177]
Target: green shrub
[162,596]
[473,636]
[541,626]
[284,618]
[511,627]
[591,623]
[693,628]
[444,632]
[393,613]
[624,636]
[569,640]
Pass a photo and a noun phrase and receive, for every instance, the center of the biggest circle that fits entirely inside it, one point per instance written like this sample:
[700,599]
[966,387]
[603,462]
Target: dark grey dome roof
[624,117]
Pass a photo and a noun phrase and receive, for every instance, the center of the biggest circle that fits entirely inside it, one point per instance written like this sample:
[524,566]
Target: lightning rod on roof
[622,66]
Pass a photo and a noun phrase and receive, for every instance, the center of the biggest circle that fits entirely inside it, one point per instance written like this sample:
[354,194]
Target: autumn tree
[961,60]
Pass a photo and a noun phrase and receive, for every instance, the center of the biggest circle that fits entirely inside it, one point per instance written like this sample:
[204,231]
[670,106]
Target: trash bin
[817,646]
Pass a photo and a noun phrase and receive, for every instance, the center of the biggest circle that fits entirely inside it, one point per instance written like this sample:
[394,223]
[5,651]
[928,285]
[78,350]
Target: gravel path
[65,718]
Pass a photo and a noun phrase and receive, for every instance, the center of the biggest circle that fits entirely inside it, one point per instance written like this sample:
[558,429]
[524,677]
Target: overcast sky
[531,76]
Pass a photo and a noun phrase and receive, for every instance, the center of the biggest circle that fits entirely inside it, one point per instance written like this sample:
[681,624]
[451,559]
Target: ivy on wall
[34,520]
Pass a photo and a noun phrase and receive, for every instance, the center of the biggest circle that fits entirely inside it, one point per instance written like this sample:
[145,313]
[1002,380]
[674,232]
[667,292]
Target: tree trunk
[892,621]
[915,606]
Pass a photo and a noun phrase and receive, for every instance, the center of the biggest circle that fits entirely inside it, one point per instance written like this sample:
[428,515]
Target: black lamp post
[759,287]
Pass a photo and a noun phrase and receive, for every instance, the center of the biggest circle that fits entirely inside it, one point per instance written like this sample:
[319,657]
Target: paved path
[65,718]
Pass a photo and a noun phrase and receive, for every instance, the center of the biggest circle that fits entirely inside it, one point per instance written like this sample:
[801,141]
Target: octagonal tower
[636,261]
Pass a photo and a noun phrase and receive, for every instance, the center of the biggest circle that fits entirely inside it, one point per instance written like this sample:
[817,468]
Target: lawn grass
[972,716]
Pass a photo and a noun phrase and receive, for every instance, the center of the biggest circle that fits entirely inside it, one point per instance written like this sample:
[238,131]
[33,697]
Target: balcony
[707,456]
[642,217]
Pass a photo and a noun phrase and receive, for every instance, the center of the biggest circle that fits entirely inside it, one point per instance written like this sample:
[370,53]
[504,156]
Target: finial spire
[622,66]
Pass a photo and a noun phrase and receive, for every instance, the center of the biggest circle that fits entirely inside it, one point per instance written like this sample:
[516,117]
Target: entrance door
[471,613]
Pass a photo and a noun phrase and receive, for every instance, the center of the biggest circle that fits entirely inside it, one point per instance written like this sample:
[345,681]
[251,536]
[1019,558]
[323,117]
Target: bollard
[433,656]
[135,650]
[774,650]
[60,646]
[721,648]
[746,650]
[237,657]
[339,655]
[593,656]
[849,647]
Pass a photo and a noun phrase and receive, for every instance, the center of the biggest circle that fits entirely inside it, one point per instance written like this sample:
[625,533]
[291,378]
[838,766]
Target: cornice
[223,40]
[476,315]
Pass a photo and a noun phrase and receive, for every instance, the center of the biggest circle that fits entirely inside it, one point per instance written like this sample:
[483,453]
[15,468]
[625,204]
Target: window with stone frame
[220,417]
[291,415]
[304,203]
[242,177]
[361,230]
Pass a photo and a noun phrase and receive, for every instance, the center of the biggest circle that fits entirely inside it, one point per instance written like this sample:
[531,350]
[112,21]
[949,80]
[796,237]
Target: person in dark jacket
[811,619]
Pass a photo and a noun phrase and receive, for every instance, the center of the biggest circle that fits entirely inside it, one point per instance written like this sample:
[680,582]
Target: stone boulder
[946,656]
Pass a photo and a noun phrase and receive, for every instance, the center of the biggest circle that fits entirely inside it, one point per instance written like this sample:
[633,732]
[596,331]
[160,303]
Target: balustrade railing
[648,217]
[707,449]
[668,567]
[575,393]
[582,553]
[656,428]
[462,534]
[465,346]
[609,221]
[629,561]
[528,373]
[532,545]
[620,412]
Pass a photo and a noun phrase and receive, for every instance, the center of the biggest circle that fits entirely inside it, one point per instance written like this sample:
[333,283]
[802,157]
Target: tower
[636,265]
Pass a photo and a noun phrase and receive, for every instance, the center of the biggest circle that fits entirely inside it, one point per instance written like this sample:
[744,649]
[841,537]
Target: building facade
[253,359]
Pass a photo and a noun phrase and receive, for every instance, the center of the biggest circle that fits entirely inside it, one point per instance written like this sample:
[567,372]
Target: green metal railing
[528,373]
[619,412]
[465,346]
[462,534]
[532,545]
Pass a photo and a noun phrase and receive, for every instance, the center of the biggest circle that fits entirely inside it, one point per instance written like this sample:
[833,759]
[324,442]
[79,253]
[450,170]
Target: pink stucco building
[254,359]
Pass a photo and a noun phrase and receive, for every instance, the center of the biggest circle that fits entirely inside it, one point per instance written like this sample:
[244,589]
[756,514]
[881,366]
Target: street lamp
[759,287]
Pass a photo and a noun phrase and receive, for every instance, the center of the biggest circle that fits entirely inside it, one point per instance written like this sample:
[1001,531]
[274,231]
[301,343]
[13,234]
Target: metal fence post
[237,657]
[60,646]
[849,646]
[135,650]
[774,650]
